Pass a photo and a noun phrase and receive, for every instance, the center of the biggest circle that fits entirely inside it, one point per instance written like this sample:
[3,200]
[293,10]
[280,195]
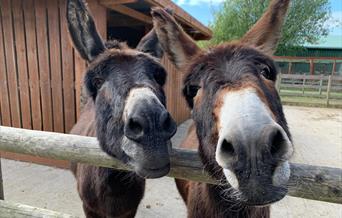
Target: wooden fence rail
[310,182]
[15,210]
[313,86]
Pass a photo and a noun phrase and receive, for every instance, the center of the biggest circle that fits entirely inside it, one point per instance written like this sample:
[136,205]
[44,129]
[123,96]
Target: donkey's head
[243,135]
[132,123]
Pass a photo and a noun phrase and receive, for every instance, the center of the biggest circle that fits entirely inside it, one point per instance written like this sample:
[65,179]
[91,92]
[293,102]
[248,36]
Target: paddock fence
[319,88]
[306,181]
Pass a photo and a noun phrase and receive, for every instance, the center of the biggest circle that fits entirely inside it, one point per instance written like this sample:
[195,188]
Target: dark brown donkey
[239,127]
[125,111]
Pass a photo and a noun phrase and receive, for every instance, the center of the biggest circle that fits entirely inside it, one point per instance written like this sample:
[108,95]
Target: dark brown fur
[128,135]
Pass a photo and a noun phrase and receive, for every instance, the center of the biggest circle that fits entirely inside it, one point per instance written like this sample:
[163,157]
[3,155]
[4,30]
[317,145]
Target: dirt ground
[317,134]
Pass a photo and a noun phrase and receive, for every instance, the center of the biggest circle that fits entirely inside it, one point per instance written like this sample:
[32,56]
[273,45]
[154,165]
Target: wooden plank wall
[40,73]
[176,103]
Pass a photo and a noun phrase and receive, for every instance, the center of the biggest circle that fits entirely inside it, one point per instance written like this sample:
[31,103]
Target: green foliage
[305,22]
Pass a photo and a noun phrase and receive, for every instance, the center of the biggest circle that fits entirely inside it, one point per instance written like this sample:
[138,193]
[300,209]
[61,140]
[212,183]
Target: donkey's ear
[266,33]
[178,45]
[83,31]
[150,44]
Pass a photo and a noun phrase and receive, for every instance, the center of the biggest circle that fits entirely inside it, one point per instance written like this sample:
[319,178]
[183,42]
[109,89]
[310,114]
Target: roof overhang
[140,10]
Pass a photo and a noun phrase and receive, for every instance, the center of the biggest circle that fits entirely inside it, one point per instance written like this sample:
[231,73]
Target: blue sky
[202,10]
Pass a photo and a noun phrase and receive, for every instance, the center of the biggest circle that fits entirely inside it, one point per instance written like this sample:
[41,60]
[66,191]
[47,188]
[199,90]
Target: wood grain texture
[44,64]
[55,65]
[5,115]
[16,210]
[7,22]
[176,104]
[67,71]
[20,45]
[310,182]
[32,60]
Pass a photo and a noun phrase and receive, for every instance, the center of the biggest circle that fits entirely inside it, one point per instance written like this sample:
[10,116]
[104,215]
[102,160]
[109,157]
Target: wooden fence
[313,86]
[310,182]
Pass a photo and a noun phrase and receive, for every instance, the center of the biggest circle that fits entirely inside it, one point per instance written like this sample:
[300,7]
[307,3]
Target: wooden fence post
[304,80]
[289,70]
[321,85]
[334,68]
[1,184]
[328,90]
[278,83]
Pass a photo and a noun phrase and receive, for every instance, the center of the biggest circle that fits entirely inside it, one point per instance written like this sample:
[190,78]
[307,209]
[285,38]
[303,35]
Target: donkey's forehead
[120,56]
[230,53]
[228,63]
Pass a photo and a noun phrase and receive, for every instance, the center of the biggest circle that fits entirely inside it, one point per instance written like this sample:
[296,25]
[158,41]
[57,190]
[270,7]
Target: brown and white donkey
[239,127]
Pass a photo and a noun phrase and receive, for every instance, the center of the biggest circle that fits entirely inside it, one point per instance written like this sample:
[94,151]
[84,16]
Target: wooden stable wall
[41,74]
[176,103]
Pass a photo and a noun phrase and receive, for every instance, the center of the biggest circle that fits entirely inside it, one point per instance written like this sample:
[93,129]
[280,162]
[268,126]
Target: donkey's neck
[225,206]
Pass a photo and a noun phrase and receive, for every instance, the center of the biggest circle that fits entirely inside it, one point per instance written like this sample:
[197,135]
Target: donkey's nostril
[165,120]
[277,144]
[167,123]
[134,128]
[227,148]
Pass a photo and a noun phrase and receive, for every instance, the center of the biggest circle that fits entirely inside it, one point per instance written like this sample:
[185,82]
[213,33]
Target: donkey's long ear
[150,44]
[178,45]
[83,31]
[266,33]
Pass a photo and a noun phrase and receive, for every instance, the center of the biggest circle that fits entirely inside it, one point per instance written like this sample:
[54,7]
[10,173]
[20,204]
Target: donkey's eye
[192,90]
[266,72]
[98,82]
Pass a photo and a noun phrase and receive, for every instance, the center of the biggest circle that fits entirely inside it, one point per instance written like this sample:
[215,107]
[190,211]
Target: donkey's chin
[264,201]
[152,173]
[148,163]
[262,196]
[256,194]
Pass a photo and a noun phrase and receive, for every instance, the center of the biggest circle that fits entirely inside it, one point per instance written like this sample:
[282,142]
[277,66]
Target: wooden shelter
[41,74]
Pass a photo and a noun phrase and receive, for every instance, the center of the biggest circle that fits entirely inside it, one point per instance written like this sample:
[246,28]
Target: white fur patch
[135,96]
[231,178]
[242,113]
[281,174]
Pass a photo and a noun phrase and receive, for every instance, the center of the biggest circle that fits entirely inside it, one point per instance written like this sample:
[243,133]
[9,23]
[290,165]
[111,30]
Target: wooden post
[278,83]
[304,80]
[321,84]
[2,197]
[289,71]
[328,90]
[334,68]
[312,67]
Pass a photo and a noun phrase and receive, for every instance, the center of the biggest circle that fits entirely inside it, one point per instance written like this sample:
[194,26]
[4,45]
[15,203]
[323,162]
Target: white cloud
[197,2]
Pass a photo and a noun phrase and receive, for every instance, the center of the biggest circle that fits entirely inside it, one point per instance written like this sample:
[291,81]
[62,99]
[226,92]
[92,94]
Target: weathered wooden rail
[323,87]
[310,182]
[16,210]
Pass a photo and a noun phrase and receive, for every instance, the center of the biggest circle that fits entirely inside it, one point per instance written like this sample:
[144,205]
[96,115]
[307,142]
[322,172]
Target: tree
[305,21]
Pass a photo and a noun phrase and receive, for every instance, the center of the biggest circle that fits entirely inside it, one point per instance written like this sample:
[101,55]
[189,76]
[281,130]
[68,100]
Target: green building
[325,57]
